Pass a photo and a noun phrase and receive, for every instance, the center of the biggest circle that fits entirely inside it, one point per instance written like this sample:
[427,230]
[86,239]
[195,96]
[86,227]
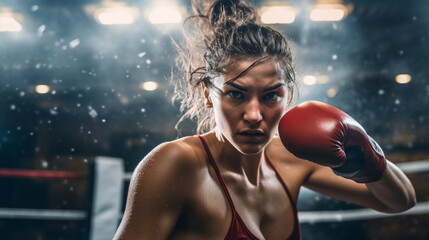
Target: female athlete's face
[248,109]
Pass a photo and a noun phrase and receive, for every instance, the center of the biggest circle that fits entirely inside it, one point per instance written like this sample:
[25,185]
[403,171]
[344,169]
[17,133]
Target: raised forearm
[394,190]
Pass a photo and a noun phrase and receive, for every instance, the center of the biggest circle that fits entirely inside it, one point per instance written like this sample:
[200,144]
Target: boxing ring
[105,202]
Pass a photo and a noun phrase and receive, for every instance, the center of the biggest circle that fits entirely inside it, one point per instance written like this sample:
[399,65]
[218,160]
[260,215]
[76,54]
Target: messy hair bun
[218,32]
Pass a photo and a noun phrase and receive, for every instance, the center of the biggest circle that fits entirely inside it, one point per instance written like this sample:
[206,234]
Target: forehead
[253,69]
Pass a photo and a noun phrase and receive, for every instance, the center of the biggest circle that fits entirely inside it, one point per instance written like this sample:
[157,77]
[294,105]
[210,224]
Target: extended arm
[354,166]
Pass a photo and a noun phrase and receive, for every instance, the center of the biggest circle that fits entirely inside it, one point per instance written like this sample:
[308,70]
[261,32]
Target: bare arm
[158,190]
[393,193]
[394,190]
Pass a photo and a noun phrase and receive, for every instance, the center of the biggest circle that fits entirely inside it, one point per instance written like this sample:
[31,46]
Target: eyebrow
[246,90]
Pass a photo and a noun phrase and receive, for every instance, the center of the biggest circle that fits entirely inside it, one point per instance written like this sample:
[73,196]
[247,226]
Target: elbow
[407,202]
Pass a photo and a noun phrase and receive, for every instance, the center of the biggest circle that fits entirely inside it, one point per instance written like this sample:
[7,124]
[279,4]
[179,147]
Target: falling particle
[143,40]
[41,30]
[115,57]
[53,112]
[143,110]
[38,65]
[12,107]
[21,94]
[71,149]
[54,92]
[334,57]
[92,112]
[64,47]
[74,43]
[330,68]
[381,92]
[401,52]
[138,66]
[44,163]
[142,54]
[397,101]
[414,18]
[78,105]
[34,8]
[334,26]
[18,128]
[103,120]
[148,61]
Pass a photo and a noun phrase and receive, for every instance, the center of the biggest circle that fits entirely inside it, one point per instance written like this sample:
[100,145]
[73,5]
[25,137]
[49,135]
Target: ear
[206,93]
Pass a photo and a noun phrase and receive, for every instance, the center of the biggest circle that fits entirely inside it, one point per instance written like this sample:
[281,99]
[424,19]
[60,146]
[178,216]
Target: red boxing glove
[325,135]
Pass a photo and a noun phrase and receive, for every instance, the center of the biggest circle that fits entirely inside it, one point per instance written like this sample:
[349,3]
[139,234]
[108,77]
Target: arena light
[278,14]
[9,22]
[332,92]
[42,89]
[117,15]
[309,80]
[328,12]
[149,86]
[113,13]
[164,14]
[403,78]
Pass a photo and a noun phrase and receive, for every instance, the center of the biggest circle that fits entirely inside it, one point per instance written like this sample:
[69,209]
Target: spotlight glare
[278,15]
[403,78]
[42,89]
[120,15]
[149,86]
[9,24]
[332,92]
[309,80]
[328,12]
[164,14]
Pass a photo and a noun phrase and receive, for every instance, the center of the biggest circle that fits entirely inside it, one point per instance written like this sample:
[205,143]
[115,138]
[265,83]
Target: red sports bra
[237,229]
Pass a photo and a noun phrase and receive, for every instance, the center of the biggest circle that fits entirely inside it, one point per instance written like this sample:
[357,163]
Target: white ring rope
[304,216]
[41,214]
[356,214]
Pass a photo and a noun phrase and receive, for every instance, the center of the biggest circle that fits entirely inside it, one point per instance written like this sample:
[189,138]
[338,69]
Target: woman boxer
[238,180]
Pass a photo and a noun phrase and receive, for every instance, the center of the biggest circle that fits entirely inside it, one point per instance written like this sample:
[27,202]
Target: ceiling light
[278,14]
[149,86]
[309,80]
[164,14]
[403,78]
[113,13]
[9,22]
[42,89]
[328,12]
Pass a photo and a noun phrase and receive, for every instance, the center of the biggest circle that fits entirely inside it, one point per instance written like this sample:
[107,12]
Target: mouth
[252,133]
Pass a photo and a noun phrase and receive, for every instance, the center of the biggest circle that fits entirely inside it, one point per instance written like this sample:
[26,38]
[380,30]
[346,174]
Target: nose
[253,113]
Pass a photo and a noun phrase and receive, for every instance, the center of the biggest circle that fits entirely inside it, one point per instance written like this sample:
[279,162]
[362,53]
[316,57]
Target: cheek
[275,114]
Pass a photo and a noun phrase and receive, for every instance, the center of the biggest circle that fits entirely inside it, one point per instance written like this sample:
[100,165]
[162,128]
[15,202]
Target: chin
[250,149]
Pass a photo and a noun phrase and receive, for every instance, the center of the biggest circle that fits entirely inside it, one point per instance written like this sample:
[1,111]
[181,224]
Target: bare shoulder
[179,161]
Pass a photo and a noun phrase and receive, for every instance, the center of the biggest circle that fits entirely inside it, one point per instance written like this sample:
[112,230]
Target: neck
[230,159]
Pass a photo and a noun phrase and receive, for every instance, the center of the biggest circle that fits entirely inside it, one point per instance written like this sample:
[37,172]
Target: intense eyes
[237,95]
[273,96]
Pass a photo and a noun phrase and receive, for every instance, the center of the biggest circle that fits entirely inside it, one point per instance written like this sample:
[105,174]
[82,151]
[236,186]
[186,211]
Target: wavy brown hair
[218,33]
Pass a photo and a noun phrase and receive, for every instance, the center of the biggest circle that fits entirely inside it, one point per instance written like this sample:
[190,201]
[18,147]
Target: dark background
[361,55]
